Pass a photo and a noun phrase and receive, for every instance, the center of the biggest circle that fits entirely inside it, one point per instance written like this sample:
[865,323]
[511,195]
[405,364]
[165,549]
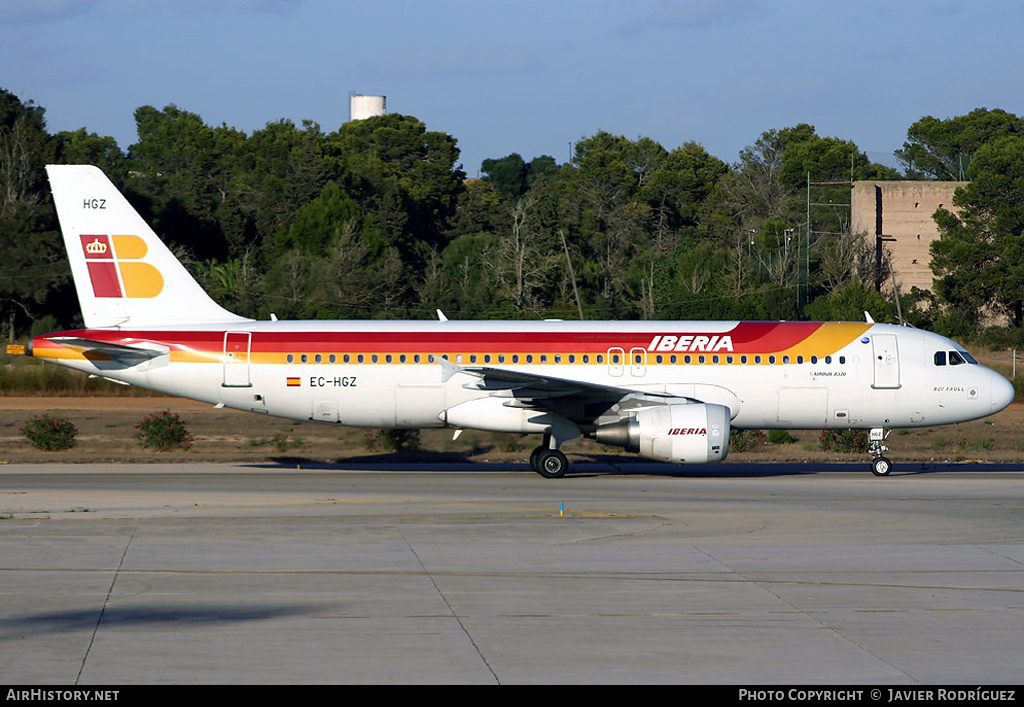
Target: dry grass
[106,428]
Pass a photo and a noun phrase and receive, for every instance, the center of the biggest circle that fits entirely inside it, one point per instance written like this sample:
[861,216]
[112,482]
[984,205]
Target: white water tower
[361,107]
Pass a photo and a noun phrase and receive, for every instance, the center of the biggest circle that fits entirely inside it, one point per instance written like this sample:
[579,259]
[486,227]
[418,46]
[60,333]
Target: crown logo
[97,247]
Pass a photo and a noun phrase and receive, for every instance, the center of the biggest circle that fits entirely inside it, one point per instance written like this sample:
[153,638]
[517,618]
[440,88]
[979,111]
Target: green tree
[82,147]
[31,253]
[282,168]
[828,159]
[978,259]
[405,178]
[508,175]
[184,171]
[944,149]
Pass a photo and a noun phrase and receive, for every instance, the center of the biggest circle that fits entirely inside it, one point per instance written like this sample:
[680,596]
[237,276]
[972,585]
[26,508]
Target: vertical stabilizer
[124,274]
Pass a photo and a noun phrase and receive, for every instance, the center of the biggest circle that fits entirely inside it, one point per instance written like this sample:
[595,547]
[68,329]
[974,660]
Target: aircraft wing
[577,400]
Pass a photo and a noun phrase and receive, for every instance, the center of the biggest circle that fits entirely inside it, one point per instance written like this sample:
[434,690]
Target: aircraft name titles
[690,342]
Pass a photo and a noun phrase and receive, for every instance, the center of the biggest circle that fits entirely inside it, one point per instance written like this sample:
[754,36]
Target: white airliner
[668,390]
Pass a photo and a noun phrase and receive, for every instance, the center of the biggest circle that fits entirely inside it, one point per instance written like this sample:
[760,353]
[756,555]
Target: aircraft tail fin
[124,274]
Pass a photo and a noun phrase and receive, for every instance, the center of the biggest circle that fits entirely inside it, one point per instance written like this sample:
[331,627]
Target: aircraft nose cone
[1002,392]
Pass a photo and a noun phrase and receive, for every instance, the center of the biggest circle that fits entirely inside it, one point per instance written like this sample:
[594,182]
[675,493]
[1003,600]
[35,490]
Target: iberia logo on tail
[115,268]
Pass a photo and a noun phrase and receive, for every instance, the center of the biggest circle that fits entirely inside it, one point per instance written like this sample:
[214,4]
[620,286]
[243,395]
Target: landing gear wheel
[534,455]
[551,464]
[880,466]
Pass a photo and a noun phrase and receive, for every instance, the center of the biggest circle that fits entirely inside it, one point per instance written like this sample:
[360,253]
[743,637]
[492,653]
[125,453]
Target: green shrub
[163,431]
[50,433]
[780,437]
[283,442]
[392,440]
[510,443]
[976,444]
[746,440]
[843,441]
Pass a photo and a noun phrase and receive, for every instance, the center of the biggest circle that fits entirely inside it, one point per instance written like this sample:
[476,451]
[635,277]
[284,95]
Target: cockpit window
[955,358]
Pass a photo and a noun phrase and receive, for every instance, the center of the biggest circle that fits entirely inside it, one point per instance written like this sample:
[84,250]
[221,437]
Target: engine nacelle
[682,434]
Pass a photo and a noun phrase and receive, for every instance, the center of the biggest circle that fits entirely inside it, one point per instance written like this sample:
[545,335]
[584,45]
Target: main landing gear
[549,463]
[880,465]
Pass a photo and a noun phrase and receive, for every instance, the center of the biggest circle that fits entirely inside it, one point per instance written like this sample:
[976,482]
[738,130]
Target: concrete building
[899,213]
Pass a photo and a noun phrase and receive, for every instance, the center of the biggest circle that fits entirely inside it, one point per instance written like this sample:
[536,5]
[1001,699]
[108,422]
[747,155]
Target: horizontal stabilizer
[130,355]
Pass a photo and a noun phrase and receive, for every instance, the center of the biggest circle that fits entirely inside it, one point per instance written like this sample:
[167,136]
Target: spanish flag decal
[293,381]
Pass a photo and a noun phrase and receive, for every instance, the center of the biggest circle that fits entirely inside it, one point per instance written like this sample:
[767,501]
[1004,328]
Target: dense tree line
[377,220]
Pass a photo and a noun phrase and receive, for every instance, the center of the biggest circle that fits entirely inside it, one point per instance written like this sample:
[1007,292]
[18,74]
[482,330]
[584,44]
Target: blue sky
[528,76]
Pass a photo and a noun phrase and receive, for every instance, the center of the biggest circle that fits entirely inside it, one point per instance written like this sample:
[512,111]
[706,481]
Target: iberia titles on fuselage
[669,390]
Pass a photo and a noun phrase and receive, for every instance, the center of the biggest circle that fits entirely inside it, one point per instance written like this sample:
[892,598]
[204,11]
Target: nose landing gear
[880,465]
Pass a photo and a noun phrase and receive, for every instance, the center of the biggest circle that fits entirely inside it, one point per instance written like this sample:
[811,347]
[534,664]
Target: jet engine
[683,434]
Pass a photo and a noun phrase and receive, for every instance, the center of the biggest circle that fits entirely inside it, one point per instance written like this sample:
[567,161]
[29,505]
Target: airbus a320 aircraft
[668,390]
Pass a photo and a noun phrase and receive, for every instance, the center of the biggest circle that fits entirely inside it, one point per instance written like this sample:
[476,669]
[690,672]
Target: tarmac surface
[639,573]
